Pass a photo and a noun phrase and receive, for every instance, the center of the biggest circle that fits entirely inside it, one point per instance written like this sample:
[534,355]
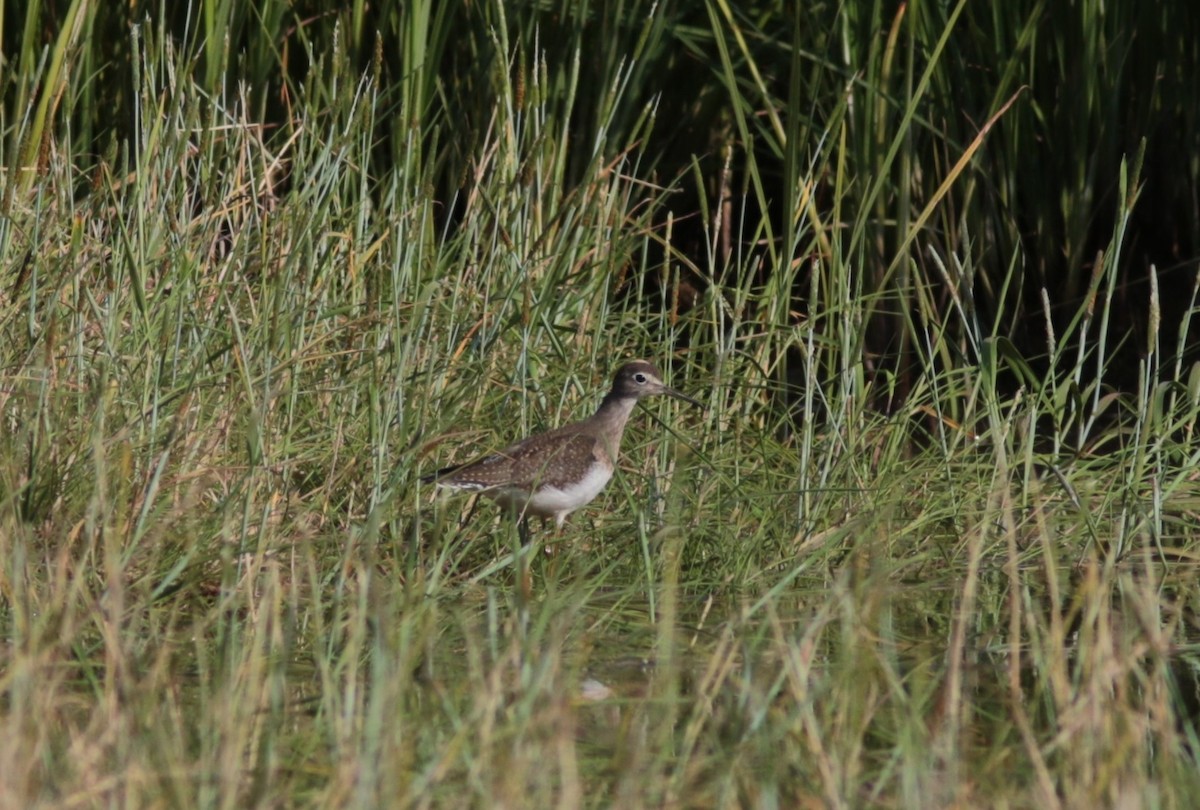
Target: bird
[552,474]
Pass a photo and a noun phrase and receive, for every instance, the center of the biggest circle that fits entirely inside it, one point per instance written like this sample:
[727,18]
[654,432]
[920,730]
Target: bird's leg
[524,578]
[549,547]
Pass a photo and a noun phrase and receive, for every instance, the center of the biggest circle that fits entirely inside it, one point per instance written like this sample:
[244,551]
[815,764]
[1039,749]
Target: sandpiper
[554,473]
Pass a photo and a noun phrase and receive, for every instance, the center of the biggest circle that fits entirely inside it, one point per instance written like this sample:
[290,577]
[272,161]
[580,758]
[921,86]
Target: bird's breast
[560,498]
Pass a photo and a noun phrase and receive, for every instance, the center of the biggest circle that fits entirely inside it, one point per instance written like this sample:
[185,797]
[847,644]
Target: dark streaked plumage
[554,473]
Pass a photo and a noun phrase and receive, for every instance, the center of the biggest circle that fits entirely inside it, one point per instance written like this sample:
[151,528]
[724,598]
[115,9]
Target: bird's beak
[678,395]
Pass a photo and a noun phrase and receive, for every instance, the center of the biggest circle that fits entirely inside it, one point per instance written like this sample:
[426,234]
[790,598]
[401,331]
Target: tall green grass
[274,267]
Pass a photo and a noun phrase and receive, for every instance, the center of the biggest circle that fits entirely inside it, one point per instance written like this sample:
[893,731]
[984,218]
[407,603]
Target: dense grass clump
[930,542]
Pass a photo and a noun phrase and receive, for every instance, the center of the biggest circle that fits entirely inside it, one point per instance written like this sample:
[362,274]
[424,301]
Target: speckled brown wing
[560,457]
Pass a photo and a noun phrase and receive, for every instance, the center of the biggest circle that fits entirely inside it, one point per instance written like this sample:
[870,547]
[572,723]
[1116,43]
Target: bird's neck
[609,420]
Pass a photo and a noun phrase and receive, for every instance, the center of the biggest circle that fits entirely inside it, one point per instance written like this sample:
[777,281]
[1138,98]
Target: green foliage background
[931,266]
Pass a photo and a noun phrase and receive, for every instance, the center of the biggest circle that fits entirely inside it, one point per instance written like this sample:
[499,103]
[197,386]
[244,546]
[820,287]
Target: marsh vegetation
[930,268]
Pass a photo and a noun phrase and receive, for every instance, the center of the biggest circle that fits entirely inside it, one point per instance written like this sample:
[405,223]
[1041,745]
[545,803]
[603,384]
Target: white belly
[553,501]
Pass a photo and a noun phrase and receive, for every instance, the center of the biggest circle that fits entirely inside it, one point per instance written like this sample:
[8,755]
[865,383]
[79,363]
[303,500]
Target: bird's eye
[640,377]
